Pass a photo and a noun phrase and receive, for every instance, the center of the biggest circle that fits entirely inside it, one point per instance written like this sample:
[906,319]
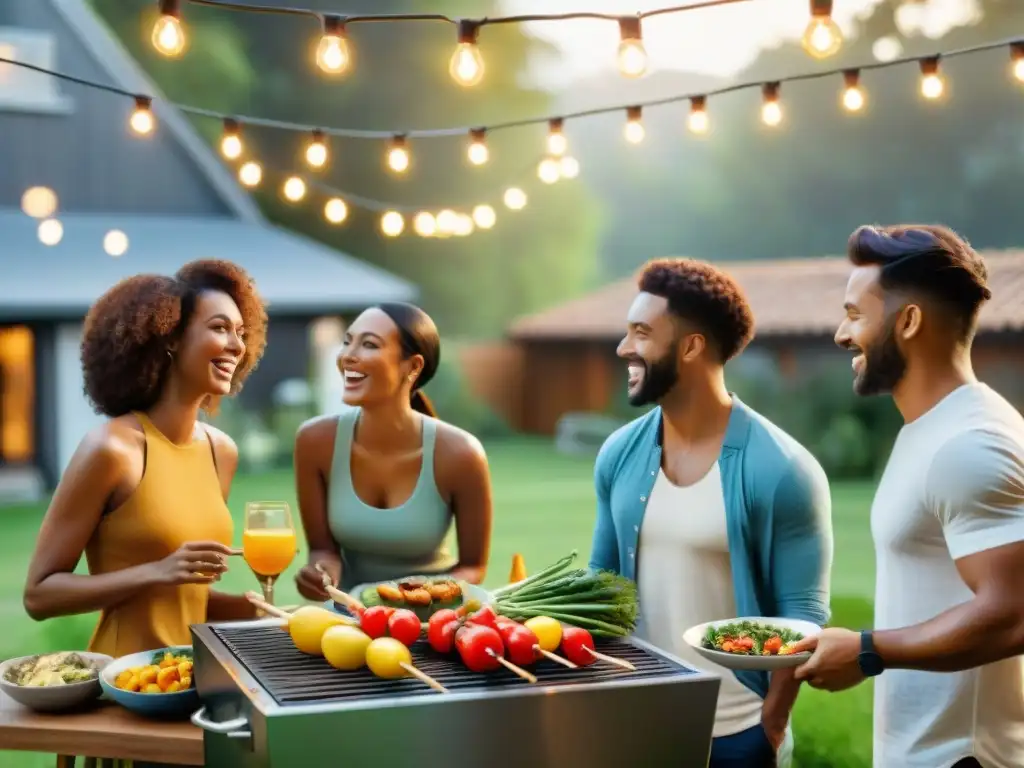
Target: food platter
[467,592]
[755,630]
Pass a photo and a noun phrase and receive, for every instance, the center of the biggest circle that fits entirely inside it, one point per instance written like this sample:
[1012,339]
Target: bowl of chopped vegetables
[54,682]
[761,644]
[153,683]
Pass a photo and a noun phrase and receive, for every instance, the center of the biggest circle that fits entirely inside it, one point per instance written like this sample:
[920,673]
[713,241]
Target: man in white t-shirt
[947,519]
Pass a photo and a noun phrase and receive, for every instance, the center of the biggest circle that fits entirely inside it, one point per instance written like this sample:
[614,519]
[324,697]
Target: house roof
[788,297]
[294,274]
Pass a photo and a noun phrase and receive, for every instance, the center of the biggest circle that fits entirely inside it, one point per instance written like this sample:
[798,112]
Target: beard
[884,365]
[658,379]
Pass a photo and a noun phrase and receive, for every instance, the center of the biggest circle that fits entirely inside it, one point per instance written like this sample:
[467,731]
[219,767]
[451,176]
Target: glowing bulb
[333,54]
[168,37]
[932,86]
[231,141]
[142,121]
[477,151]
[1018,69]
[467,65]
[484,216]
[447,221]
[853,98]
[1017,57]
[515,199]
[771,110]
[392,224]
[698,121]
[115,243]
[569,167]
[822,37]
[335,210]
[634,128]
[632,55]
[398,155]
[463,225]
[50,231]
[316,152]
[549,170]
[250,174]
[294,189]
[425,224]
[39,202]
[557,143]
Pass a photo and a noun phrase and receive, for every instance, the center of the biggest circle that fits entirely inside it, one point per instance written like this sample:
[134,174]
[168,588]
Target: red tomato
[441,630]
[374,621]
[479,647]
[773,645]
[404,626]
[574,641]
[520,643]
[485,617]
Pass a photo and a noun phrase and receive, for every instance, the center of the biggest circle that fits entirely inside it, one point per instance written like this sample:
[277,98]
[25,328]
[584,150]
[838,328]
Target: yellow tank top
[178,500]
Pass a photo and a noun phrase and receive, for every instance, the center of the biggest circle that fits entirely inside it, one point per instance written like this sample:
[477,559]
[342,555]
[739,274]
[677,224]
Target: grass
[543,508]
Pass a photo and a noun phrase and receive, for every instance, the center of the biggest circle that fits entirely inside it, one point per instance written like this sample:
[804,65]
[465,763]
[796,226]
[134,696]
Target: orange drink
[268,551]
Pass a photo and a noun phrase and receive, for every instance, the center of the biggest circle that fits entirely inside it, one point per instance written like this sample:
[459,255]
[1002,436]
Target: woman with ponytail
[380,485]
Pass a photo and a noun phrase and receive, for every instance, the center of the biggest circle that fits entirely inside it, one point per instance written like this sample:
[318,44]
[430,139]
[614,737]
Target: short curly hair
[132,327]
[704,296]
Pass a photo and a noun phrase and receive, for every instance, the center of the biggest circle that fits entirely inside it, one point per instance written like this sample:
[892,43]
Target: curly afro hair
[131,328]
[704,296]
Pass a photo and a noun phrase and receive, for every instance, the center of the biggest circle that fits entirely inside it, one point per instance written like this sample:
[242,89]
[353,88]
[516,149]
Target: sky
[716,41]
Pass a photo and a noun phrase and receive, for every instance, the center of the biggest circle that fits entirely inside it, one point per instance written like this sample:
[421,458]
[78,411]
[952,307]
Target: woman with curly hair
[380,485]
[144,496]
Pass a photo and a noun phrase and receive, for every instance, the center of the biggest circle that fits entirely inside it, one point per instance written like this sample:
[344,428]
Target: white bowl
[54,698]
[694,637]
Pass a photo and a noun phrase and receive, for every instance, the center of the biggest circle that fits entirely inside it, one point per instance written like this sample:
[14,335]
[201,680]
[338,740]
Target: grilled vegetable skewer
[390,659]
[306,625]
[578,646]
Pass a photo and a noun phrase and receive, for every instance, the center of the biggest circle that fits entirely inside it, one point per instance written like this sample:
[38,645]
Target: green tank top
[386,544]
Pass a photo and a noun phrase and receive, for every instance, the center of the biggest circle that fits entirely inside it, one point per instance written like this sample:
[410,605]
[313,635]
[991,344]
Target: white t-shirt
[954,486]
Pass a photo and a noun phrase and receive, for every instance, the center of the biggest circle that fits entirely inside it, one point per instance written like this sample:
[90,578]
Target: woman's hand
[309,580]
[194,562]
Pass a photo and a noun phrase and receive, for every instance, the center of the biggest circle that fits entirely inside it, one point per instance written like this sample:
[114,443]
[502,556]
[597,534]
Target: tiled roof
[791,296]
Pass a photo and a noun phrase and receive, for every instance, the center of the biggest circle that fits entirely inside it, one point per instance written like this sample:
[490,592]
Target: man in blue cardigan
[713,510]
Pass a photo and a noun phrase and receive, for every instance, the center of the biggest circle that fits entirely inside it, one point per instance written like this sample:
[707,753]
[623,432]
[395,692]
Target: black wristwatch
[871,664]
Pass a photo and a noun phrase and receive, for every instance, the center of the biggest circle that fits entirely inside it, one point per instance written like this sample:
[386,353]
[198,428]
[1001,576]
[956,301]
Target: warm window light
[392,223]
[634,128]
[549,170]
[632,55]
[316,152]
[398,155]
[467,65]
[333,53]
[250,174]
[231,141]
[39,202]
[335,210]
[168,37]
[932,86]
[515,199]
[853,94]
[569,167]
[771,110]
[477,151]
[50,231]
[447,221]
[484,216]
[1017,57]
[822,38]
[115,243]
[698,121]
[142,121]
[424,224]
[294,189]
[557,143]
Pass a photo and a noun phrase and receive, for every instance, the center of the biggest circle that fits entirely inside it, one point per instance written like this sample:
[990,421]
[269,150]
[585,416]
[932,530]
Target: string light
[335,210]
[142,121]
[822,38]
[392,223]
[294,189]
[698,121]
[632,55]
[447,222]
[557,143]
[50,231]
[424,224]
[477,151]
[484,216]
[771,110]
[398,154]
[514,199]
[115,243]
[464,225]
[853,95]
[333,53]
[932,86]
[569,167]
[467,65]
[250,174]
[549,170]
[231,142]
[316,152]
[39,202]
[168,36]
[634,128]
[1017,57]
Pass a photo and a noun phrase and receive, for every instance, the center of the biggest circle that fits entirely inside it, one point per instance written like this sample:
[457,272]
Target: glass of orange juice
[268,542]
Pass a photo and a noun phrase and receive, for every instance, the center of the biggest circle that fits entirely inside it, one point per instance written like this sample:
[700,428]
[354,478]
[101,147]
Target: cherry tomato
[479,646]
[574,642]
[520,643]
[404,626]
[773,645]
[441,630]
[374,621]
[485,617]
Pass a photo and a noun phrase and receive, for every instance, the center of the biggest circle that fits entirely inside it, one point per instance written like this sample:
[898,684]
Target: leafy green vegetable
[184,653]
[758,632]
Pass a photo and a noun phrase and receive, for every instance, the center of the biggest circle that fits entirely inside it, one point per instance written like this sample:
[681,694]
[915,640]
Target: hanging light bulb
[698,121]
[853,95]
[932,86]
[1017,57]
[231,141]
[568,167]
[335,210]
[634,128]
[557,143]
[392,224]
[424,224]
[822,38]
[39,202]
[632,55]
[477,151]
[447,222]
[142,121]
[484,216]
[250,174]
[168,37]
[771,110]
[115,243]
[50,231]
[463,225]
[467,65]
[549,170]
[316,151]
[514,199]
[398,154]
[294,189]
[333,53]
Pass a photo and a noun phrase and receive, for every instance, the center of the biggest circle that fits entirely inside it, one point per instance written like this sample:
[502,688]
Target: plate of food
[153,683]
[53,682]
[760,644]
[423,595]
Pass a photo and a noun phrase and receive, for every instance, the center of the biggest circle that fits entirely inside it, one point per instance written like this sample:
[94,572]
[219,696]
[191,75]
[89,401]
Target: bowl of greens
[53,682]
[761,644]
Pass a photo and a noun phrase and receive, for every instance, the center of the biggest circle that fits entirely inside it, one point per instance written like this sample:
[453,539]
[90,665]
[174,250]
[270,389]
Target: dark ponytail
[418,336]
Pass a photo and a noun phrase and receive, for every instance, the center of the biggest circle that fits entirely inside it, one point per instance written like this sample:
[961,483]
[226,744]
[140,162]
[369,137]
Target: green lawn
[543,508]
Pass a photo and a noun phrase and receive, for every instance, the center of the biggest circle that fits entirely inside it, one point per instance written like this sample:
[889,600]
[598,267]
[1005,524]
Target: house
[563,359]
[173,200]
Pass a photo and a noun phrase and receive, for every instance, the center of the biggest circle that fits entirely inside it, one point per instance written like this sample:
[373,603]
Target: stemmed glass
[268,542]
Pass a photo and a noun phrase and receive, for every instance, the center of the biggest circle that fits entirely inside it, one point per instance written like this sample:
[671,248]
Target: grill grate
[292,677]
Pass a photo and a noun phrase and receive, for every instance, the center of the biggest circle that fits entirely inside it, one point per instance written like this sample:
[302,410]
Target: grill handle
[230,728]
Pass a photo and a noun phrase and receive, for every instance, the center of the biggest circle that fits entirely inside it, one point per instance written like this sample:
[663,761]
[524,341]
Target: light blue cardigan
[778,516]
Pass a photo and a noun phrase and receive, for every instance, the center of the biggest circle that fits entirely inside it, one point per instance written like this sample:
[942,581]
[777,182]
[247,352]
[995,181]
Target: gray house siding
[286,357]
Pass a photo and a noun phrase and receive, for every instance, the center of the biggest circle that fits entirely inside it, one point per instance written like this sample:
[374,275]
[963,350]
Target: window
[17,395]
[22,89]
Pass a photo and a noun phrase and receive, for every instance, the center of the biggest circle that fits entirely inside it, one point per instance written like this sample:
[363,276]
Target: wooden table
[104,731]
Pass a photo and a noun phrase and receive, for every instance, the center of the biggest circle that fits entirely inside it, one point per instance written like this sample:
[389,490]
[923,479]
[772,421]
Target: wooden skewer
[610,659]
[266,607]
[527,676]
[324,576]
[555,657]
[340,597]
[423,677]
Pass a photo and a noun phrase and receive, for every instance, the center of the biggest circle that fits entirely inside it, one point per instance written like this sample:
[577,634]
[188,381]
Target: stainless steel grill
[266,705]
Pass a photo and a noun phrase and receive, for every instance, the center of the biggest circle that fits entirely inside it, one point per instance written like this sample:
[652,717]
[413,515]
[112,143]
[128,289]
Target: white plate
[695,635]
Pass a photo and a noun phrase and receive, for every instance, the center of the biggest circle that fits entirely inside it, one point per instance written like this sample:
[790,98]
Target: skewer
[610,659]
[423,677]
[266,607]
[527,676]
[555,657]
[338,596]
[324,576]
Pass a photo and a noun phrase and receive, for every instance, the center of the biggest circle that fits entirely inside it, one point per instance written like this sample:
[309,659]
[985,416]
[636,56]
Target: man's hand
[833,666]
